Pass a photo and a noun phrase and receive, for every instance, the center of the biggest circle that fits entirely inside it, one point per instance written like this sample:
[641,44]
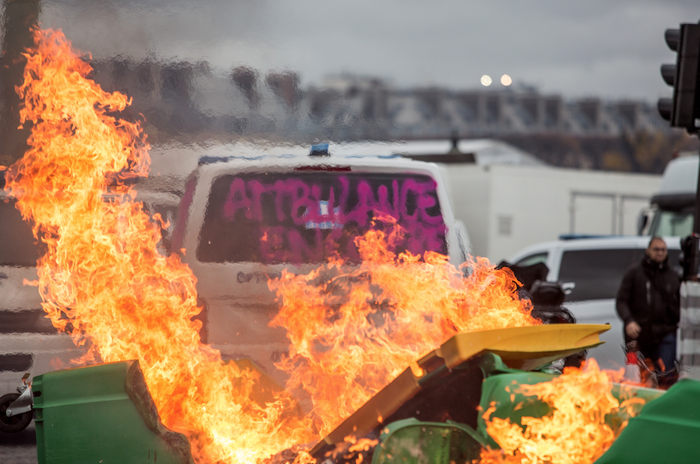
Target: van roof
[295,161]
[211,159]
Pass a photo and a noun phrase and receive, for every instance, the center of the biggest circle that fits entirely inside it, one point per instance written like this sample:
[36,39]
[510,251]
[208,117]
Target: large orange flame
[103,275]
[103,281]
[353,330]
[574,432]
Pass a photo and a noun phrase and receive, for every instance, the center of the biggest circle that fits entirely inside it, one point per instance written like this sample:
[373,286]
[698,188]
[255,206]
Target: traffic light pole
[683,111]
[695,237]
[690,72]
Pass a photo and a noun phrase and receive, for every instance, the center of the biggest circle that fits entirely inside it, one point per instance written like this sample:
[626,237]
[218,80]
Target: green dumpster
[102,414]
[667,430]
[410,441]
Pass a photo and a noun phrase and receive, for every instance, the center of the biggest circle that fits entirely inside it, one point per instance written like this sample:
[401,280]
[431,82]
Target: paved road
[18,448]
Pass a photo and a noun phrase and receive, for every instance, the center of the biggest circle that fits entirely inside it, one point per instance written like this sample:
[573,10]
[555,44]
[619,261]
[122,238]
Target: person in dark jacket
[648,302]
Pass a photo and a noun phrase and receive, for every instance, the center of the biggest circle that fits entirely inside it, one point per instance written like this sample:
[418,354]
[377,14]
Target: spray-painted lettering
[313,221]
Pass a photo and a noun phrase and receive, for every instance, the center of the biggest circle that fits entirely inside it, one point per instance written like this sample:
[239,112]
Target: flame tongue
[574,432]
[102,271]
[352,331]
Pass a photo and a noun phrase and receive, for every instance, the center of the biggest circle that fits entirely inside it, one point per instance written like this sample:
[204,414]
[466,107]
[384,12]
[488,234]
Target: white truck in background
[671,210]
[509,207]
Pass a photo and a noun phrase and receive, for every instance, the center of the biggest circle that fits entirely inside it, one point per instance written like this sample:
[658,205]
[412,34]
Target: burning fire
[574,432]
[351,329]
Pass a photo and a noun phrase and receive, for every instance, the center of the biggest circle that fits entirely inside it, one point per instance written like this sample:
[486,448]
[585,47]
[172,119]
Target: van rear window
[308,217]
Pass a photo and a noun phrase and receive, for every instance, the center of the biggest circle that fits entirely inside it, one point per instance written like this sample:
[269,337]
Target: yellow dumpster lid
[523,348]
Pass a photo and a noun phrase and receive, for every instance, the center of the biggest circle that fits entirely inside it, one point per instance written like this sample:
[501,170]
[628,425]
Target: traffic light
[684,109]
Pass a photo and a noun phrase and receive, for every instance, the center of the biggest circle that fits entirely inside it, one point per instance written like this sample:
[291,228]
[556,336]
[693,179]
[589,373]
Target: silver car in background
[590,271]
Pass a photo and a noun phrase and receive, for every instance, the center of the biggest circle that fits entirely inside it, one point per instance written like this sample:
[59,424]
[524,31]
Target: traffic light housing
[683,110]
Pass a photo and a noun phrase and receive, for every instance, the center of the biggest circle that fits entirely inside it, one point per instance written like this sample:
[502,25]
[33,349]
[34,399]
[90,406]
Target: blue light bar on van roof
[320,149]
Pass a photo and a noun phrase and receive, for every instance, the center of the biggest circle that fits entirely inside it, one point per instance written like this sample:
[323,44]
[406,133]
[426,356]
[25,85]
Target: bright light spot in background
[506,80]
[486,80]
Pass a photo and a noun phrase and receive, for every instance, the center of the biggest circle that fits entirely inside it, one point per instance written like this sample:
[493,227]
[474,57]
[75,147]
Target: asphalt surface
[18,448]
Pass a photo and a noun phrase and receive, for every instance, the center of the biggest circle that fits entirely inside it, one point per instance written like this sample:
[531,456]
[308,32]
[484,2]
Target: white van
[242,220]
[590,270]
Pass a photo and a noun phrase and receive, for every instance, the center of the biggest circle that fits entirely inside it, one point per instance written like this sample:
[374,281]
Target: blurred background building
[185,102]
[192,102]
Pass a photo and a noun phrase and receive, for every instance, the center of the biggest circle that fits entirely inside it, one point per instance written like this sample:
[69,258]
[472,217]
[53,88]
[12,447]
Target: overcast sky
[607,48]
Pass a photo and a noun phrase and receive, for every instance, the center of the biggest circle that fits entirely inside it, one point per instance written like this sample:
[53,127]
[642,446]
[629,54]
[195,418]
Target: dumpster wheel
[12,424]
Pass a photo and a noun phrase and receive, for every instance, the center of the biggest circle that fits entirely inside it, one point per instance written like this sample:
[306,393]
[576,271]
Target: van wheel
[12,424]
